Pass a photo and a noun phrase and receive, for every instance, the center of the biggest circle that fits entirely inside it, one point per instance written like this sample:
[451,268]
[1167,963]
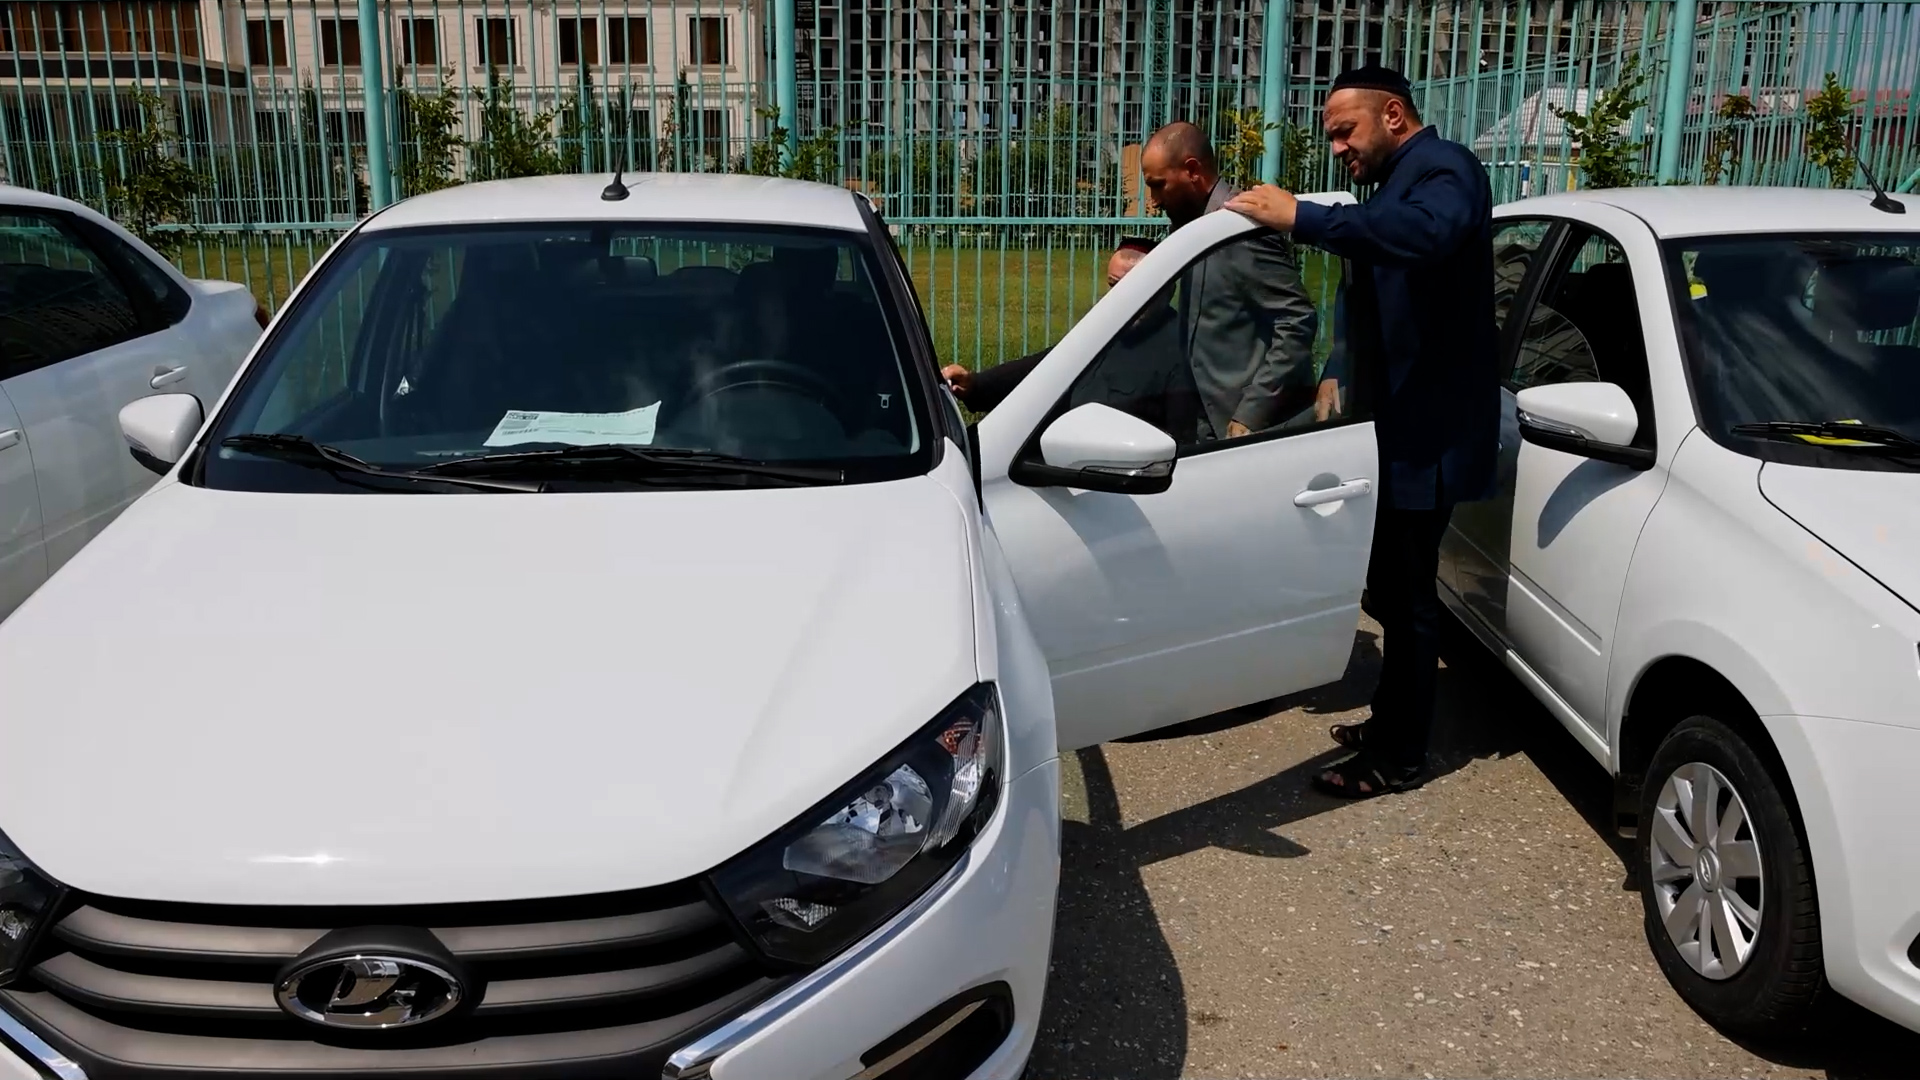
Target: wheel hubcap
[1706,872]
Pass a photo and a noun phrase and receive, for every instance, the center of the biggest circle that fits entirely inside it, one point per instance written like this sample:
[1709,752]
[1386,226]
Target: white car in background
[586,641]
[90,318]
[1705,562]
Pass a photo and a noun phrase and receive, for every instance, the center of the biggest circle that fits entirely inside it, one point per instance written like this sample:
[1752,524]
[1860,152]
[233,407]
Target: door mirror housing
[1589,419]
[1099,448]
[159,429]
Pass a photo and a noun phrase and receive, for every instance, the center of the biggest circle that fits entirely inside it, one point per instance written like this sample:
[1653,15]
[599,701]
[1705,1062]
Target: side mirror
[1099,448]
[1589,419]
[159,429]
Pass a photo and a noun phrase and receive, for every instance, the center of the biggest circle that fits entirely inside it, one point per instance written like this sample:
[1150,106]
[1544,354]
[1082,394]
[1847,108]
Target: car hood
[256,698]
[1872,518]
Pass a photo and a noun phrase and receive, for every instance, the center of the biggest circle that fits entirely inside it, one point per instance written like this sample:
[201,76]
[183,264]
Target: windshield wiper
[645,462]
[301,450]
[1868,437]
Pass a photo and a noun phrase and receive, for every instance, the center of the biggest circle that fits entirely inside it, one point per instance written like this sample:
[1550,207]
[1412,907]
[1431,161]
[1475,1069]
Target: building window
[340,42]
[713,133]
[420,41]
[627,40]
[267,43]
[707,39]
[580,41]
[495,37]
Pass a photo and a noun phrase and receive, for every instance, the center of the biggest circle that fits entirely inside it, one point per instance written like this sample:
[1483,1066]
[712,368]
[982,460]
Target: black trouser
[1404,598]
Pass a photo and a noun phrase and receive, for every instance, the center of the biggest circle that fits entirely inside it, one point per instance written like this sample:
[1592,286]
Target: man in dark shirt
[1418,310]
[1144,372]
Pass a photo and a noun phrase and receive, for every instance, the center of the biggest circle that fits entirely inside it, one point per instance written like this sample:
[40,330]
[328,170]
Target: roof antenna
[616,191]
[1881,201]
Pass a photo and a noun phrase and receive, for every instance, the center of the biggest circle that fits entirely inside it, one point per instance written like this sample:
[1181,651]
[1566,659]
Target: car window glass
[1586,326]
[57,298]
[1514,246]
[415,347]
[165,295]
[1235,341]
[319,361]
[1801,328]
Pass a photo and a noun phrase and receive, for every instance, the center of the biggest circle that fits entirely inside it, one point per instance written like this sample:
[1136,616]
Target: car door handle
[1352,489]
[9,437]
[167,376]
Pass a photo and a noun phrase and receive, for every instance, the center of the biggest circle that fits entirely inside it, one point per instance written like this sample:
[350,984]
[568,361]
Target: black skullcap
[1375,77]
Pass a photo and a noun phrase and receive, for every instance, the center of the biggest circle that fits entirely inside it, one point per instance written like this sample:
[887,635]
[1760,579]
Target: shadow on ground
[1116,1006]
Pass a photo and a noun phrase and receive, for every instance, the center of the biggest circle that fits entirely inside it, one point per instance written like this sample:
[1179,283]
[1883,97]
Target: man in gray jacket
[1249,324]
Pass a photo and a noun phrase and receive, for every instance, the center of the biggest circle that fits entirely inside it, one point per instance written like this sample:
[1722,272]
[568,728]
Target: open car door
[1238,581]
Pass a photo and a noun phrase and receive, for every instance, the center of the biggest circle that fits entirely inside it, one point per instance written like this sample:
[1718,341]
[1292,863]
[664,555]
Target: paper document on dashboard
[632,428]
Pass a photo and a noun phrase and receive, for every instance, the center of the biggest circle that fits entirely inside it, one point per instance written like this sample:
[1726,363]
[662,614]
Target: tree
[582,127]
[1303,158]
[816,157]
[146,182]
[1829,113]
[512,143]
[1724,146]
[1609,156]
[923,182]
[428,140]
[1241,135]
[1031,174]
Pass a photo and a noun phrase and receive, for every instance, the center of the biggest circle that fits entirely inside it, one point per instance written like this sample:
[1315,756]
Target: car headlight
[827,880]
[26,898]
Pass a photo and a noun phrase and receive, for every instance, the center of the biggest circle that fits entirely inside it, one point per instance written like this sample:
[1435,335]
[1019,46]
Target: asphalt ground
[1218,918]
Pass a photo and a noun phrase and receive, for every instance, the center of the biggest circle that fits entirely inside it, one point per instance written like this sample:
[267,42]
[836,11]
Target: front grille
[583,987]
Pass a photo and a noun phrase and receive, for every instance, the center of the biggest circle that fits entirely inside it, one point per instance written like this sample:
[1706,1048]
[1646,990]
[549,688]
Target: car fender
[1006,650]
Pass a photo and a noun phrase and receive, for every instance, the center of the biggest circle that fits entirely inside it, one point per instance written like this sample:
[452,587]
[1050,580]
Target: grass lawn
[269,264]
[985,303]
[988,305]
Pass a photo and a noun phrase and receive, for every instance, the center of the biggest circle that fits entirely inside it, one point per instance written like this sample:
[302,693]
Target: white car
[586,641]
[90,318]
[1705,562]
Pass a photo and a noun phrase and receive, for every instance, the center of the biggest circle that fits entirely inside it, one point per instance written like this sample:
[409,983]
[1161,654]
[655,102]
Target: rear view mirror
[1099,448]
[1590,419]
[159,429]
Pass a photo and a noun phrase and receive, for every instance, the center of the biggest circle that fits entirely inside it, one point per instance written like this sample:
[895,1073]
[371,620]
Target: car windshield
[578,355]
[1793,339]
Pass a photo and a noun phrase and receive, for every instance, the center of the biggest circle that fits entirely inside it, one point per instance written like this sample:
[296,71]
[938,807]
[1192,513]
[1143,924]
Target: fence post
[374,88]
[1911,182]
[1273,85]
[786,72]
[1680,31]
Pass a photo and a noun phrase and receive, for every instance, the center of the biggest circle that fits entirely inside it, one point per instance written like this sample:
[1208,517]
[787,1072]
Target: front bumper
[988,923]
[1853,781]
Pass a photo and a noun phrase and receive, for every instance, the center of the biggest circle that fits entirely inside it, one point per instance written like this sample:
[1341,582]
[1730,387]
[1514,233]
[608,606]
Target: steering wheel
[778,374]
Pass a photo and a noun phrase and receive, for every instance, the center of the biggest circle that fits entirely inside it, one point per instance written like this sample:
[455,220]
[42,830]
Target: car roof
[20,196]
[654,198]
[1720,211]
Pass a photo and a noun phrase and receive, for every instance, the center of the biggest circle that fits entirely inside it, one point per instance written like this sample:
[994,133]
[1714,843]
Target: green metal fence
[1001,137]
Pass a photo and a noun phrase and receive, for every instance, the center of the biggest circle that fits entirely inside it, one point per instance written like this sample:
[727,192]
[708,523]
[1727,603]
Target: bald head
[1180,171]
[1123,260]
[1183,141]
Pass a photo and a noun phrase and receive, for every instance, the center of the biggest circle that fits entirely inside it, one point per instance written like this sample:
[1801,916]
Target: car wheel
[1727,885]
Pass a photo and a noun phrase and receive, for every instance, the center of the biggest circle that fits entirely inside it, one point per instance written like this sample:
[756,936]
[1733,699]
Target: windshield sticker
[633,428]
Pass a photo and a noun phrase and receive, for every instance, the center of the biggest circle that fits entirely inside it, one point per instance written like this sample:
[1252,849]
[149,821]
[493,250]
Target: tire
[1758,971]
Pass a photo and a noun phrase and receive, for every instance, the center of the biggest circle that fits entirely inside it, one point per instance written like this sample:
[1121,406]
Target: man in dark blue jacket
[1420,344]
